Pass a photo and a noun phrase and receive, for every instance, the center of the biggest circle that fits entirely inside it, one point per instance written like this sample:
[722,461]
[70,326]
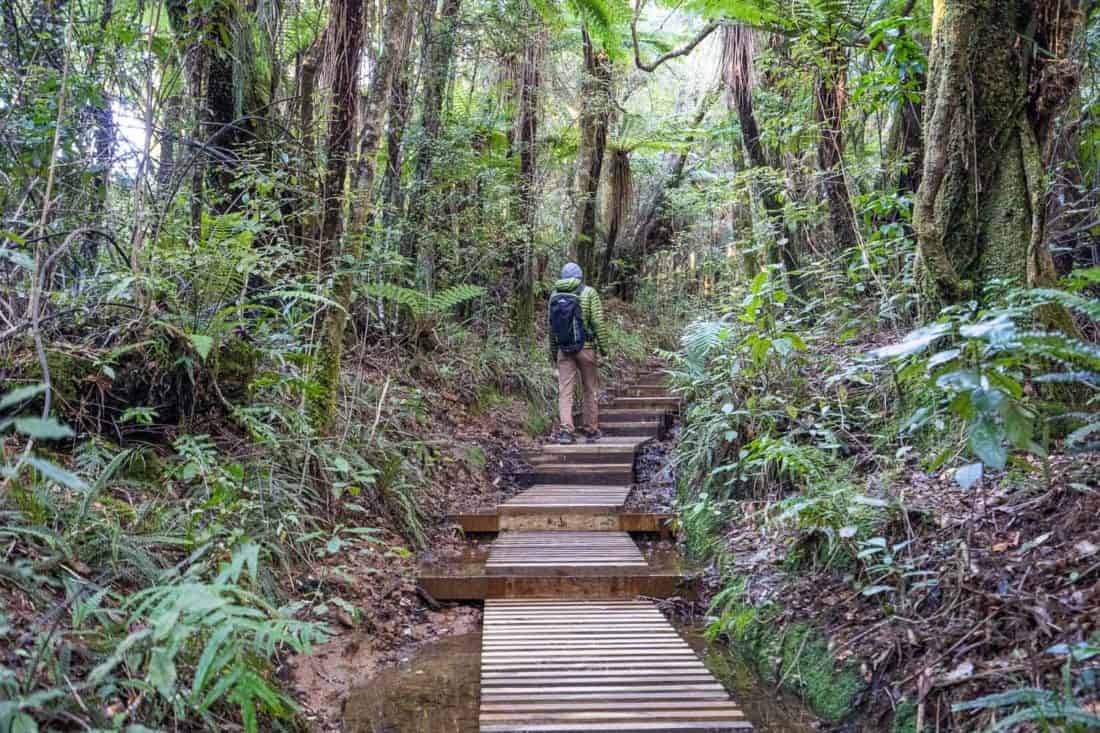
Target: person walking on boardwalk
[577,332]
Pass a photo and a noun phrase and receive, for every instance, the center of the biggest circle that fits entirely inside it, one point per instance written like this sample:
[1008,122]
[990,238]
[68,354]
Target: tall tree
[528,93]
[998,76]
[595,117]
[438,48]
[345,34]
[738,78]
[830,97]
[400,108]
[373,110]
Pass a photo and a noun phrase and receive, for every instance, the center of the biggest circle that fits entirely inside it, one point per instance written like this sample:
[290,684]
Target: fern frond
[700,338]
[444,300]
[1090,307]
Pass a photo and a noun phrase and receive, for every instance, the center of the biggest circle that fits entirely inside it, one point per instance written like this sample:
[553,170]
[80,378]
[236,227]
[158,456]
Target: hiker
[577,332]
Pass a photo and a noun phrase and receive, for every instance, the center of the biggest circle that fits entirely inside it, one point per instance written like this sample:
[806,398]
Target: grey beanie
[572,270]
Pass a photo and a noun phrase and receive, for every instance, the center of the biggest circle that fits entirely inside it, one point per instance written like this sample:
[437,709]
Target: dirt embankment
[1014,566]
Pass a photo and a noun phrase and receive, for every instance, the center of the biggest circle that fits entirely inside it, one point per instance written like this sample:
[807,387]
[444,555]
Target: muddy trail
[561,608]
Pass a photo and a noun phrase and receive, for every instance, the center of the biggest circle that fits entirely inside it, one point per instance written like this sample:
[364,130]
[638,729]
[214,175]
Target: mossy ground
[796,658]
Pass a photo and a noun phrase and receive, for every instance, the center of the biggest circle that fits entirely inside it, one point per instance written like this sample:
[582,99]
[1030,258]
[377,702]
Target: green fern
[422,306]
[701,338]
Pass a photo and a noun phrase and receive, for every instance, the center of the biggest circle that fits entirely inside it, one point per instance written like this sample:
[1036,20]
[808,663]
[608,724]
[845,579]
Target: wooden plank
[566,666]
[591,585]
[564,553]
[589,474]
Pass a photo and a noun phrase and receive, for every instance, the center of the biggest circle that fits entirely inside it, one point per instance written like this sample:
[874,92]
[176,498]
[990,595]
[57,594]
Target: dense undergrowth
[853,473]
[160,552]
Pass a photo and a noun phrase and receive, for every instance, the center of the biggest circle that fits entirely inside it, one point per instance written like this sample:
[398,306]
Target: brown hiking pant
[584,362]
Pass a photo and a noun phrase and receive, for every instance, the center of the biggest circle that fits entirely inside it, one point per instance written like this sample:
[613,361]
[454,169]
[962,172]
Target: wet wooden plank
[564,553]
[590,585]
[563,666]
[566,497]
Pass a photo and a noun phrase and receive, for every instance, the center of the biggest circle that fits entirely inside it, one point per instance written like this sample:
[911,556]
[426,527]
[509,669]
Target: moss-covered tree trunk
[781,246]
[594,120]
[530,82]
[979,213]
[345,83]
[345,29]
[400,107]
[830,95]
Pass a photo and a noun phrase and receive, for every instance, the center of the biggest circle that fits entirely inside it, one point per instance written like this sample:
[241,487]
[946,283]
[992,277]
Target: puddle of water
[470,562]
[769,710]
[436,690]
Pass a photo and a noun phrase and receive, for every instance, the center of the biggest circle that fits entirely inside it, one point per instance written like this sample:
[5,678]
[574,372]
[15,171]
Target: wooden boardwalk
[609,663]
[594,666]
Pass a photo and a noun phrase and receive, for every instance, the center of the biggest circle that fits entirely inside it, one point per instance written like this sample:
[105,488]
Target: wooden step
[615,449]
[641,390]
[447,586]
[613,415]
[604,474]
[646,403]
[564,553]
[559,497]
[581,667]
[565,520]
[646,428]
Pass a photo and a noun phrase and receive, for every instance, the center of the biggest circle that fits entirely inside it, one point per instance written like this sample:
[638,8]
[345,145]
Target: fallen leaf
[1085,548]
[964,671]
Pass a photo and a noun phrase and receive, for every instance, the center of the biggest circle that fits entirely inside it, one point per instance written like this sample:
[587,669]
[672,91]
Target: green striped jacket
[591,312]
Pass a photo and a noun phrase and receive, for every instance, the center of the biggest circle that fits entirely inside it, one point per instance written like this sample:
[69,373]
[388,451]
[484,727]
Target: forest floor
[1018,569]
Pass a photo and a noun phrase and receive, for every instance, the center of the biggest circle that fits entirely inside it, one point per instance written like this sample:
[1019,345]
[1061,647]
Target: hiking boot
[592,435]
[566,437]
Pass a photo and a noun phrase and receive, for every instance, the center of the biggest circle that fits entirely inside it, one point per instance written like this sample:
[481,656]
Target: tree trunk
[907,146]
[222,131]
[346,35]
[373,112]
[523,317]
[400,107]
[992,92]
[438,49]
[166,168]
[620,195]
[781,246]
[650,216]
[307,82]
[594,119]
[829,102]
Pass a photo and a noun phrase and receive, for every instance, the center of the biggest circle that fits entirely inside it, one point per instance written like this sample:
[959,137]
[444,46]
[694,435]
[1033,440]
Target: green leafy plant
[1045,710]
[994,372]
[222,632]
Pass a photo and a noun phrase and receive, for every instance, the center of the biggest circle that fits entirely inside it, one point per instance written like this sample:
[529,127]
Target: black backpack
[567,322]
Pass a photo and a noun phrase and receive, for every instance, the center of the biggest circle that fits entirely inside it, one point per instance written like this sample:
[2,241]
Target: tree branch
[682,51]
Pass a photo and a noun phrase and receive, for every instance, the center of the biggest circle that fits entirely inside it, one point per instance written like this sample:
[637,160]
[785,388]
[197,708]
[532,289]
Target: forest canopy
[265,263]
